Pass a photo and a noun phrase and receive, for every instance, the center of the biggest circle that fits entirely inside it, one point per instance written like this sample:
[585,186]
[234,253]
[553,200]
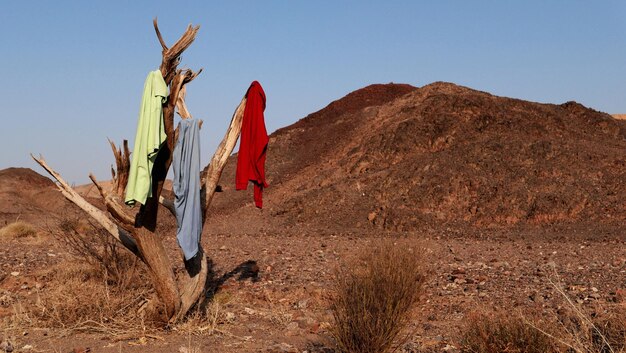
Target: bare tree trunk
[122,163]
[139,233]
[218,162]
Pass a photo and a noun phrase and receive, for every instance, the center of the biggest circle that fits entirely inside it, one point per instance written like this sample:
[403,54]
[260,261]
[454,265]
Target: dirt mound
[29,196]
[399,158]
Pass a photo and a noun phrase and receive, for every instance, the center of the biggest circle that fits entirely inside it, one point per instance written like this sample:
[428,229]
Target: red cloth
[253,144]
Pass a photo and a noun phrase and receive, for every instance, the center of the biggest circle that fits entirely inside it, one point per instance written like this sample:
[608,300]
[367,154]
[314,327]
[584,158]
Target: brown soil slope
[401,158]
[29,196]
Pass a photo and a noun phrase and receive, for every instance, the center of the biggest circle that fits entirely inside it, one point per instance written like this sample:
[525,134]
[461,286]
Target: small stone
[460,281]
[15,273]
[292,329]
[305,322]
[249,311]
[223,247]
[6,346]
[371,216]
[449,347]
[458,271]
[230,317]
[282,348]
[27,347]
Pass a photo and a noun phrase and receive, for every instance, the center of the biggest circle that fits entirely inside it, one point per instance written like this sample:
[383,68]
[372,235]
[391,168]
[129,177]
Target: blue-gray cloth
[186,161]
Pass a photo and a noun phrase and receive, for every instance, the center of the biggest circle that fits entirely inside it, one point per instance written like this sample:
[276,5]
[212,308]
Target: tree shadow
[246,270]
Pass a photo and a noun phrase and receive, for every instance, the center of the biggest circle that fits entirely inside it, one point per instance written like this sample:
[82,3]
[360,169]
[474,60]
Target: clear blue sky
[73,71]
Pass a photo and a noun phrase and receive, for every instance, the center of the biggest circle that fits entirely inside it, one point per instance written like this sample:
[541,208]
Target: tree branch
[169,204]
[117,232]
[122,164]
[158,33]
[114,208]
[220,157]
[171,56]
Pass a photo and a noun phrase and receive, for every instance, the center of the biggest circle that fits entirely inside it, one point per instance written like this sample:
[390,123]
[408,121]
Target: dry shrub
[18,229]
[206,319]
[601,330]
[100,290]
[374,297]
[572,329]
[496,332]
[81,298]
[97,248]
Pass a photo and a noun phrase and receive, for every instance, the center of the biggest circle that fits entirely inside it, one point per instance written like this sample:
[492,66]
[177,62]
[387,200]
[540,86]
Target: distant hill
[31,197]
[620,116]
[399,157]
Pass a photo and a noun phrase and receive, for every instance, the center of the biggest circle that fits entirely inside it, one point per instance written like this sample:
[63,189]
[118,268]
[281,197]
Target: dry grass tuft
[96,247]
[374,297]
[101,291]
[601,329]
[81,298]
[502,332]
[18,229]
[572,329]
[207,319]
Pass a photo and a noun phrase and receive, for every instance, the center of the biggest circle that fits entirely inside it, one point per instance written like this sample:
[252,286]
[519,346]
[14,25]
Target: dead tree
[138,232]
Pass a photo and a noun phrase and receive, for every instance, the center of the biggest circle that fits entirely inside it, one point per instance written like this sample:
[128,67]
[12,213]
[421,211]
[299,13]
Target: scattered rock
[6,346]
[230,316]
[292,329]
[282,348]
[458,271]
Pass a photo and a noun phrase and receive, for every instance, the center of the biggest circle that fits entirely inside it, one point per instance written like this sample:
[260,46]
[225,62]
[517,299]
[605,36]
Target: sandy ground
[285,308]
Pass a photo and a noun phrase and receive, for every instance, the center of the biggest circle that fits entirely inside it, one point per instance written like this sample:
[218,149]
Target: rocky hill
[28,196]
[401,158]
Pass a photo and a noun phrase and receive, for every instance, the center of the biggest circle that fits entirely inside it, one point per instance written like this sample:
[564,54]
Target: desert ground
[513,207]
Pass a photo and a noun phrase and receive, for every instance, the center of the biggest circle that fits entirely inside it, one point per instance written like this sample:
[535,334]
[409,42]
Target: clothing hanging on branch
[150,135]
[188,205]
[253,144]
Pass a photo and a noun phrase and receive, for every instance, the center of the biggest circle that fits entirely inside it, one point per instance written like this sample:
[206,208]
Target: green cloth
[150,136]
